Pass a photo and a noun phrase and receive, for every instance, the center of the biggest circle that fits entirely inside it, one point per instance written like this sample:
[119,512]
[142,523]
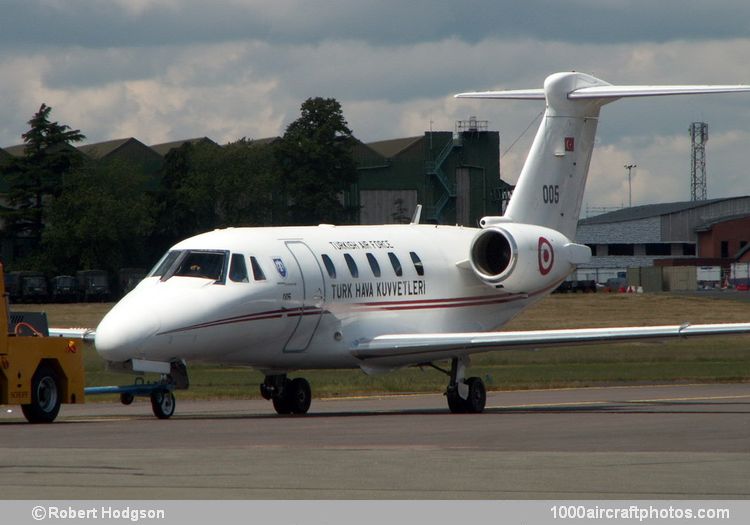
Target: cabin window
[352,265]
[258,274]
[417,263]
[374,266]
[202,265]
[396,264]
[165,263]
[238,269]
[330,268]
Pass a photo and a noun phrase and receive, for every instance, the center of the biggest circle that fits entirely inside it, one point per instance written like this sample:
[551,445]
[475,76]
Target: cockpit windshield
[202,264]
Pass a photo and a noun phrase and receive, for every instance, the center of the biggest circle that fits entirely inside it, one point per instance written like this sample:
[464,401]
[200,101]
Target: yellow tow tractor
[37,372]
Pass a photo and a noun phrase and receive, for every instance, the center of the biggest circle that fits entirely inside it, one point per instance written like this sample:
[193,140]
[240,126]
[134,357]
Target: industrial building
[712,232]
[454,175]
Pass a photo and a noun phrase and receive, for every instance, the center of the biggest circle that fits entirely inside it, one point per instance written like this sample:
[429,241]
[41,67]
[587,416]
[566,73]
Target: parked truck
[26,287]
[93,285]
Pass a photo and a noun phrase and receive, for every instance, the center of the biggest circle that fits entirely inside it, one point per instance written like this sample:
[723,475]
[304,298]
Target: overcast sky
[162,70]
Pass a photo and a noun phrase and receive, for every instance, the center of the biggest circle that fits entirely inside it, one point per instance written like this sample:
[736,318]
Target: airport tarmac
[673,442]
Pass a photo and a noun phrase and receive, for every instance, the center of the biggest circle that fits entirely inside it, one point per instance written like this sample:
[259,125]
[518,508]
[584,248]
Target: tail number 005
[551,194]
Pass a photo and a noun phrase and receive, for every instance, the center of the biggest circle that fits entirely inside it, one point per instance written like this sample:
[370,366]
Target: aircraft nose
[123,332]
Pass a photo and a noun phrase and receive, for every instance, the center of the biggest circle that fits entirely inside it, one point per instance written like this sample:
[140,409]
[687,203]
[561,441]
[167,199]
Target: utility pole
[630,167]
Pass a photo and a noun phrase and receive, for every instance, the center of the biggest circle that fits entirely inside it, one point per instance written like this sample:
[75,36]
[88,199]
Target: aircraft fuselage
[304,296]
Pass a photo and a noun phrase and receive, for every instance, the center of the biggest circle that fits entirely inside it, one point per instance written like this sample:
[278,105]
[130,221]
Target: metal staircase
[434,168]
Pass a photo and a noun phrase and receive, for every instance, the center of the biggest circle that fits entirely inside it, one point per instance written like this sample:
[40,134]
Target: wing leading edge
[406,349]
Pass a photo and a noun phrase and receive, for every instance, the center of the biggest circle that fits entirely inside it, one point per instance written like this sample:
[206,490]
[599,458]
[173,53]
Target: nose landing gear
[289,396]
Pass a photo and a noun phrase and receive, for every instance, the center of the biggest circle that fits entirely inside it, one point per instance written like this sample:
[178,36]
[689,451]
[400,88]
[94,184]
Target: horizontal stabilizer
[519,94]
[608,91]
[651,91]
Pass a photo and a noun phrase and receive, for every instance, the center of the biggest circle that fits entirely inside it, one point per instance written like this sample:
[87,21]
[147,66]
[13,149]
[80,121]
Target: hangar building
[710,232]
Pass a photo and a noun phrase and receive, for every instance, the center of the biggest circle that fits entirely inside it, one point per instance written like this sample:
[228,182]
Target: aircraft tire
[477,399]
[162,404]
[299,395]
[455,403]
[127,399]
[281,405]
[45,397]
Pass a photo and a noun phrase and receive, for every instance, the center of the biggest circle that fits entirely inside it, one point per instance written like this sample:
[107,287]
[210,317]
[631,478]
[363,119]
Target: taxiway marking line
[701,398]
[633,401]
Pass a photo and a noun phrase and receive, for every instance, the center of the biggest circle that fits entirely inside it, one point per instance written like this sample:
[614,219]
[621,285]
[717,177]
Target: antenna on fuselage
[417,214]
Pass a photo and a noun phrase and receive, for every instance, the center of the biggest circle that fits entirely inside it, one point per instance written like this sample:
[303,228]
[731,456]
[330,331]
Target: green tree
[102,219]
[187,199]
[316,164]
[36,178]
[205,187]
[246,184]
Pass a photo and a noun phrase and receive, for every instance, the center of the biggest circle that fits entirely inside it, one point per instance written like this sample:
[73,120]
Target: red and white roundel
[546,256]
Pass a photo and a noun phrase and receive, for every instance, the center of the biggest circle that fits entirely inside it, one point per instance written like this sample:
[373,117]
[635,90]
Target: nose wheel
[162,404]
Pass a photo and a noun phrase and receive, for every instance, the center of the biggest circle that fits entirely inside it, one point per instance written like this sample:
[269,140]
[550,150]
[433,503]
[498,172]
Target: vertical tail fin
[550,188]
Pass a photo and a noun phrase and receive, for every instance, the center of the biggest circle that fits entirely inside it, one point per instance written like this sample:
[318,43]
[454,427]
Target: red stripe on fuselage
[423,304]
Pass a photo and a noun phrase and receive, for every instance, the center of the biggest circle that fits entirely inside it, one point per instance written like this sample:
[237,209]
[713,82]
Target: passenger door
[313,297]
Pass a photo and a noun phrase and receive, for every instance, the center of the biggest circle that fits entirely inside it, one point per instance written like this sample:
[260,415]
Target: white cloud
[251,82]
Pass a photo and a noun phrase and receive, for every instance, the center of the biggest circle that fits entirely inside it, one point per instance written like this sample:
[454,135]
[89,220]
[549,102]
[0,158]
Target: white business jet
[383,297]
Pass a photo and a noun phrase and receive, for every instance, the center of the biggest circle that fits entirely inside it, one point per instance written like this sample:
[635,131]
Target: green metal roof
[391,148]
[99,150]
[165,147]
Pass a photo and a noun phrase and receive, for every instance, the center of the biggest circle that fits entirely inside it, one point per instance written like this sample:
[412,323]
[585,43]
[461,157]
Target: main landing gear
[465,396]
[289,396]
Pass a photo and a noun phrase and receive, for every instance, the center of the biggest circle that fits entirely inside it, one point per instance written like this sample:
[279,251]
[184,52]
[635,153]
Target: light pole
[630,167]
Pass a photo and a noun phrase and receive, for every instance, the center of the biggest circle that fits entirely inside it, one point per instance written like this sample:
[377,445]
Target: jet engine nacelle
[521,257]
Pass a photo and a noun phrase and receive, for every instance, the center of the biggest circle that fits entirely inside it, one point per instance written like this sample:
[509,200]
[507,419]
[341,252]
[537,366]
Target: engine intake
[493,254]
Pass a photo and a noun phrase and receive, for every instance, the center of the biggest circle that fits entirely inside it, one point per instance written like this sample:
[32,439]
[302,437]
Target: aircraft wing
[406,349]
[87,334]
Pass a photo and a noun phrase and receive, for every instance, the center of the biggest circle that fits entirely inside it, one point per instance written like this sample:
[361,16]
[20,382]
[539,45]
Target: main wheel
[45,397]
[162,404]
[281,405]
[477,396]
[299,395]
[455,403]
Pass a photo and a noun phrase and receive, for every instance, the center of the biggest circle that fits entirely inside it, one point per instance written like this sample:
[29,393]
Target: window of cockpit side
[418,266]
[352,265]
[399,271]
[328,263]
[238,269]
[258,274]
[374,266]
[165,263]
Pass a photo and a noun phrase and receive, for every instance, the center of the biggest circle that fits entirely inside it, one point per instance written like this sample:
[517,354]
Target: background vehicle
[26,287]
[63,289]
[93,285]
